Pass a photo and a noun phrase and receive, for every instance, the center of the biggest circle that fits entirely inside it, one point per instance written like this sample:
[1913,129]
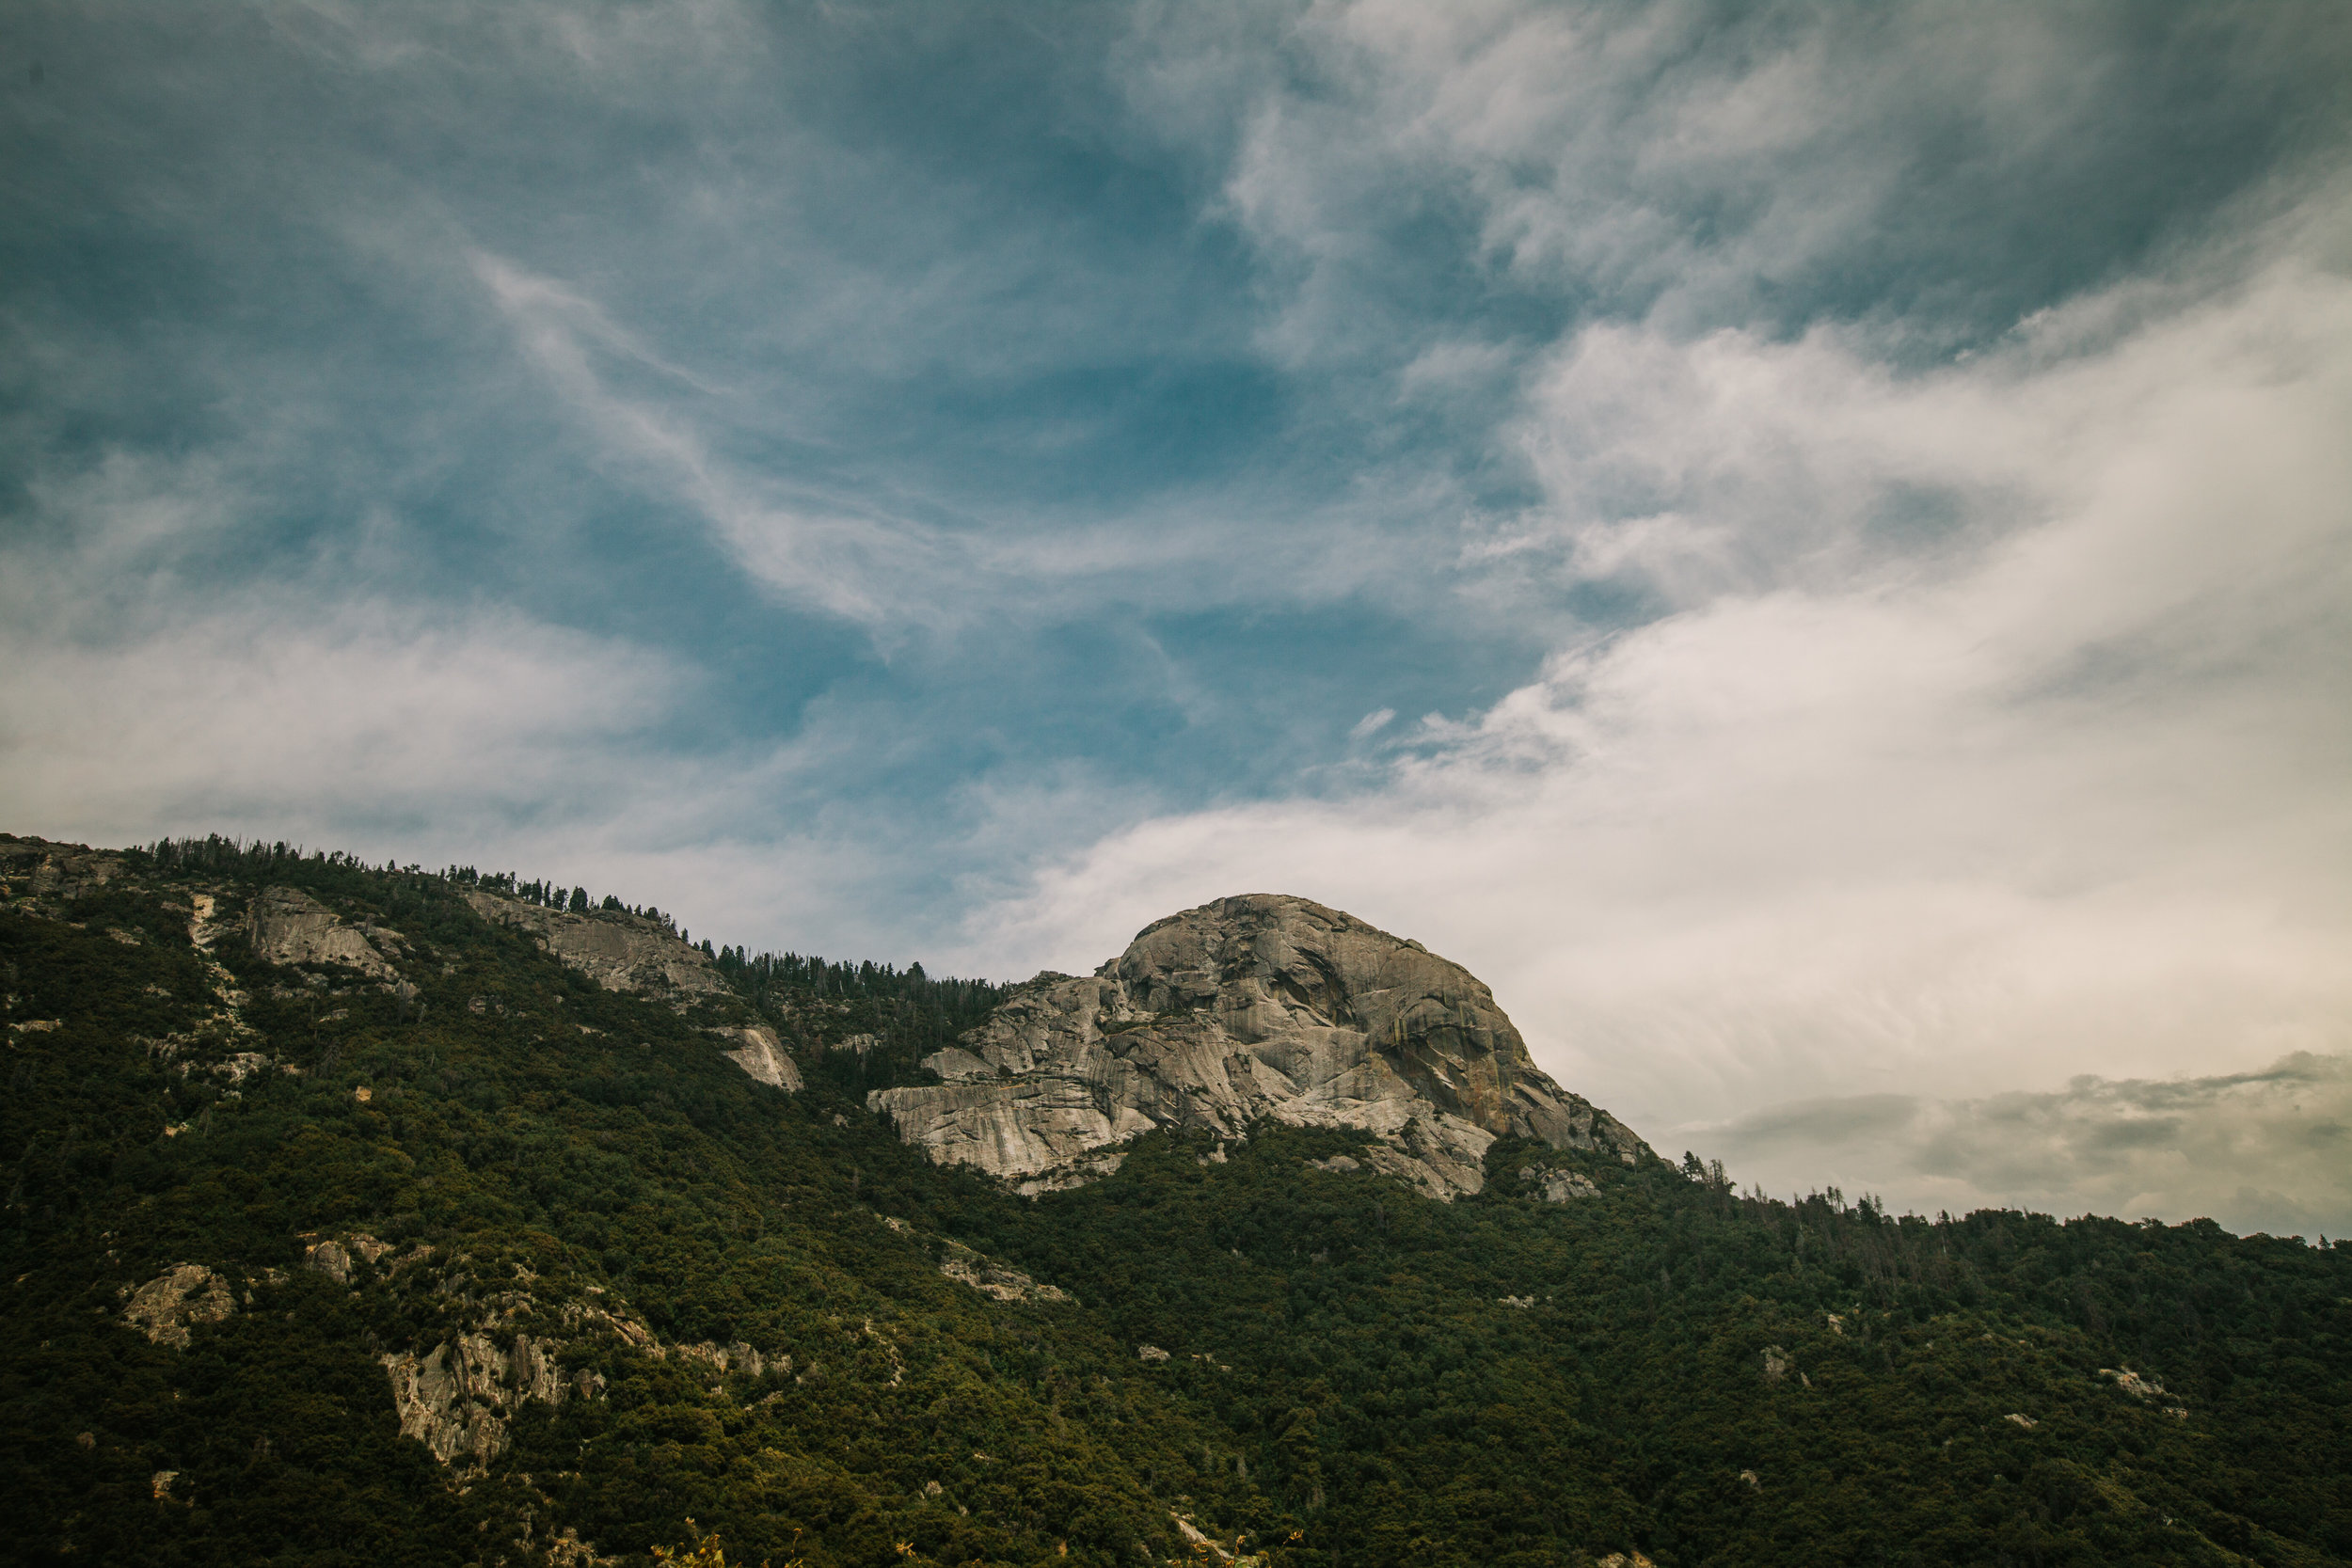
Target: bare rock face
[762,1056]
[166,1305]
[618,951]
[456,1400]
[1258,1005]
[288,926]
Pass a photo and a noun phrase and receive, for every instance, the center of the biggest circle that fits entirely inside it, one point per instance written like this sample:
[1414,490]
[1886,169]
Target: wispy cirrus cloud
[877,572]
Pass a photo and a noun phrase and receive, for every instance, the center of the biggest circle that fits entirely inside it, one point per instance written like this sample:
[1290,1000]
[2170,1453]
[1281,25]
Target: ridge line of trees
[760,977]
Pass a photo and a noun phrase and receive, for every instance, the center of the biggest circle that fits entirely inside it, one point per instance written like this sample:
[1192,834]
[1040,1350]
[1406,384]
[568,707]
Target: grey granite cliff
[617,950]
[1251,1007]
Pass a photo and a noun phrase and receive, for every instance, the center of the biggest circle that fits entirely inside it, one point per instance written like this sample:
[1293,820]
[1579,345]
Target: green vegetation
[1353,1375]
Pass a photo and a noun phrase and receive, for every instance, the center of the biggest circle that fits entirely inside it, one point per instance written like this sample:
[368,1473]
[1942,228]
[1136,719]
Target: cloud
[865,570]
[1405,169]
[2269,1150]
[404,731]
[2052,782]
[147,698]
[1849,499]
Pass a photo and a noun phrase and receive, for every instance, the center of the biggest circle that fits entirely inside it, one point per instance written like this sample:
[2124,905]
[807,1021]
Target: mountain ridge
[1251,1006]
[491,1261]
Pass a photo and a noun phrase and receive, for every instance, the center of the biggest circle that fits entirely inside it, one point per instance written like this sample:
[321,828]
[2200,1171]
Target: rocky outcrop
[1260,1005]
[38,869]
[1558,1186]
[166,1307]
[335,1256]
[761,1054]
[617,950]
[456,1399]
[287,925]
[2142,1387]
[993,1279]
[722,1360]
[460,1398]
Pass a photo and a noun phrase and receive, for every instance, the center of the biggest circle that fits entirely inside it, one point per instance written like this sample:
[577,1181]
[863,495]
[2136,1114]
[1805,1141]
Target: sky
[1808,544]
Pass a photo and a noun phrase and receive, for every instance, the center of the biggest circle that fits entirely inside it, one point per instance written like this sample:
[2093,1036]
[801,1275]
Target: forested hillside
[265,1216]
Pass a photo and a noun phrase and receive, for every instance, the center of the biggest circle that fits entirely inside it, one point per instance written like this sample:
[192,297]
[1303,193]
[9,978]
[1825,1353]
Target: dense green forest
[707,1299]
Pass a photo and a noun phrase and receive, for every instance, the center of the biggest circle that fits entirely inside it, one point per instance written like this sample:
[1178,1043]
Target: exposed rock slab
[166,1307]
[40,869]
[456,1399]
[761,1054]
[617,950]
[287,925]
[1258,1005]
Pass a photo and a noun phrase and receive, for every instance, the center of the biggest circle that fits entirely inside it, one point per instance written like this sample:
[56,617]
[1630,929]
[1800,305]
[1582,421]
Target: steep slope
[1261,1006]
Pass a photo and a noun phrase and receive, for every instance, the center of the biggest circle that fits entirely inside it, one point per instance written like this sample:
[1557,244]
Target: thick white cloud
[2056,781]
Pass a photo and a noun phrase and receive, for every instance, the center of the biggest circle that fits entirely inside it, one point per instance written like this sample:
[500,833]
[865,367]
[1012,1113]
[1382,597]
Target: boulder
[1252,1006]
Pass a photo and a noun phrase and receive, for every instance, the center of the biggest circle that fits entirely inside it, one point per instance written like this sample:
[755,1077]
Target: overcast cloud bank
[2267,1150]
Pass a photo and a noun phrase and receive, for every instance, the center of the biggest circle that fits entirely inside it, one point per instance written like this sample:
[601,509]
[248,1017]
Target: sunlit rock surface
[1258,1005]
[761,1054]
[454,1399]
